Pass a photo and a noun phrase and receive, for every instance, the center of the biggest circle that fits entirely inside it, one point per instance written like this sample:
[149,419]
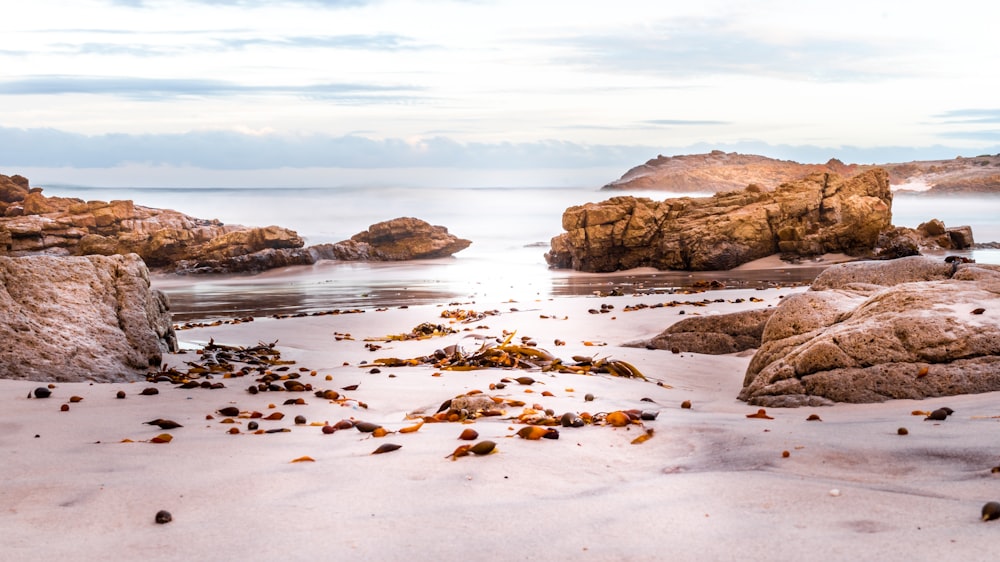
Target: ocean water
[510,229]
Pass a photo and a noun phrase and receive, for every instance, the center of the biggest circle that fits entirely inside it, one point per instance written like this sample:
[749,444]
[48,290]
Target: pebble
[163,516]
[42,392]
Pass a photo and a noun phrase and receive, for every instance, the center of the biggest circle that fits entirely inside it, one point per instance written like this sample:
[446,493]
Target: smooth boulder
[911,328]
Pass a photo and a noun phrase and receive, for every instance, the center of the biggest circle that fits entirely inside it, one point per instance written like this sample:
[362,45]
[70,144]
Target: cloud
[684,122]
[235,151]
[225,150]
[377,42]
[967,116]
[254,3]
[704,47]
[162,88]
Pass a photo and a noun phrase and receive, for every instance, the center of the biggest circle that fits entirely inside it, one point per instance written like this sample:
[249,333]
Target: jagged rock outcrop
[900,242]
[403,238]
[36,224]
[823,213]
[80,318]
[714,334]
[914,327]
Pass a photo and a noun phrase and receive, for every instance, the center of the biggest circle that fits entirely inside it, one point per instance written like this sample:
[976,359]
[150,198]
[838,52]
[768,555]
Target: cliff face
[823,213]
[80,318]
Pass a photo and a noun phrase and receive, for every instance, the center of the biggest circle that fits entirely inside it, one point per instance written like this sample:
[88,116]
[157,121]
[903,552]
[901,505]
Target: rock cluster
[61,226]
[914,327]
[80,318]
[31,223]
[823,213]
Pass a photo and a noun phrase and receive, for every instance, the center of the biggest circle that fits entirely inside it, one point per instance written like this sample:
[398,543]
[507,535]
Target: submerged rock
[912,328]
[81,318]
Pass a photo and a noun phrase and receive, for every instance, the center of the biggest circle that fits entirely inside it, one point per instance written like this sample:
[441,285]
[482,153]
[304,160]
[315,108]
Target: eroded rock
[913,328]
[403,238]
[81,318]
[714,334]
[823,213]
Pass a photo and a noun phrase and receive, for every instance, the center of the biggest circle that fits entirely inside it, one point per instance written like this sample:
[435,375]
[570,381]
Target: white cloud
[476,82]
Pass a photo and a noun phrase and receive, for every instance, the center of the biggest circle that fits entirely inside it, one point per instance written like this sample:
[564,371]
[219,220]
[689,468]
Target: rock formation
[900,242]
[715,334]
[399,239]
[721,171]
[914,327]
[80,318]
[823,213]
[61,226]
[32,223]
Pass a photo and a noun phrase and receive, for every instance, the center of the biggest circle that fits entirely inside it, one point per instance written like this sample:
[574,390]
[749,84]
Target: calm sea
[510,229]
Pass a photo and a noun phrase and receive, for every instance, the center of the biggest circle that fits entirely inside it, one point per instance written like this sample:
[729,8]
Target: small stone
[120,395]
[902,431]
[588,398]
[991,511]
[686,405]
[163,516]
[300,420]
[835,493]
[42,392]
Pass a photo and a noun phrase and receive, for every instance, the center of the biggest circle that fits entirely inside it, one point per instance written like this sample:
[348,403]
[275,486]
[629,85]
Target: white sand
[710,484]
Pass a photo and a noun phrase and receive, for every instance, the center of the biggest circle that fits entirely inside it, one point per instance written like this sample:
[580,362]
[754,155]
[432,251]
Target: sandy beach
[707,483]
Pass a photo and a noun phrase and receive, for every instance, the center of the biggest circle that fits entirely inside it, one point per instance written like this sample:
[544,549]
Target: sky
[481,92]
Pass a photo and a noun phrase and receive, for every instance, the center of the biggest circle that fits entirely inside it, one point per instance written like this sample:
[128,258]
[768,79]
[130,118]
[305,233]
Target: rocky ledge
[823,213]
[31,224]
[81,318]
[871,331]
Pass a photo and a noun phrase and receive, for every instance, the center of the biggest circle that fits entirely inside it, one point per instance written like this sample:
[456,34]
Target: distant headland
[719,171]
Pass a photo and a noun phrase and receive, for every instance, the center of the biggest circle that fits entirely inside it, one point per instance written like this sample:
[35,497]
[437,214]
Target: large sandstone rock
[714,334]
[871,331]
[403,238]
[80,318]
[823,213]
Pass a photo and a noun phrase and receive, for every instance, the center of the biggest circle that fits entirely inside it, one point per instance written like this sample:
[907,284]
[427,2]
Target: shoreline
[708,482]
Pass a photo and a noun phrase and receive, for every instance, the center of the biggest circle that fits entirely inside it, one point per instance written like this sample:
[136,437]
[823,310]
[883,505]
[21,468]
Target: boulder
[912,328]
[81,318]
[399,239]
[823,213]
[714,334]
